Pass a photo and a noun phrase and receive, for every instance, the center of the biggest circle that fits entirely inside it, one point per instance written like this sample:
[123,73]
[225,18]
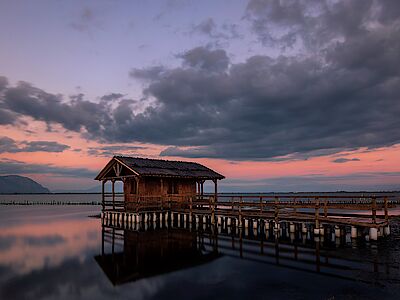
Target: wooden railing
[143,203]
[276,207]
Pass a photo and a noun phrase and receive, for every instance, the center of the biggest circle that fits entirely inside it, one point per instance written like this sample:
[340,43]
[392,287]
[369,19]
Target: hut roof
[162,168]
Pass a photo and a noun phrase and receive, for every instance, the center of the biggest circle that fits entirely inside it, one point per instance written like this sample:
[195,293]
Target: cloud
[340,91]
[361,181]
[318,25]
[86,21]
[8,145]
[344,160]
[206,59]
[9,166]
[109,151]
[3,82]
[24,99]
[209,28]
[112,96]
[194,152]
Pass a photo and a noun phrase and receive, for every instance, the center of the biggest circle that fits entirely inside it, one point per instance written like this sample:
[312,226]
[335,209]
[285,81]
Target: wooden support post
[113,193]
[216,190]
[261,205]
[316,229]
[212,210]
[325,208]
[240,211]
[191,208]
[385,202]
[202,188]
[102,195]
[373,207]
[276,213]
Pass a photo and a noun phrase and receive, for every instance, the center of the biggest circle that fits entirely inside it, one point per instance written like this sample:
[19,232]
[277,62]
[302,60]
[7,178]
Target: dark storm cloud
[344,160]
[3,83]
[341,93]
[9,166]
[7,117]
[112,96]
[11,146]
[206,59]
[317,23]
[27,100]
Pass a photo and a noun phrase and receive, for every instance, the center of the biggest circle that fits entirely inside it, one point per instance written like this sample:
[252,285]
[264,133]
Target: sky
[275,95]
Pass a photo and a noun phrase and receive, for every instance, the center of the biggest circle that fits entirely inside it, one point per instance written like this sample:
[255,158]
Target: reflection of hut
[151,253]
[153,179]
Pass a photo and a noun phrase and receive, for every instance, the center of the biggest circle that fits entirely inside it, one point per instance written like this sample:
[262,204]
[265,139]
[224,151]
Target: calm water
[58,252]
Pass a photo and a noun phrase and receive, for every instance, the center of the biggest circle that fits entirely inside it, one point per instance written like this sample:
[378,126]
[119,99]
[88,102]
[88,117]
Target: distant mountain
[19,184]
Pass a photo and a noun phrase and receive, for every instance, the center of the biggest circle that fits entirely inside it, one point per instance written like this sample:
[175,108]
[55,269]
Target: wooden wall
[152,186]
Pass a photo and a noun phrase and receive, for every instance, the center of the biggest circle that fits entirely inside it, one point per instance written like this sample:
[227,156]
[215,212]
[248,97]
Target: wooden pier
[367,216]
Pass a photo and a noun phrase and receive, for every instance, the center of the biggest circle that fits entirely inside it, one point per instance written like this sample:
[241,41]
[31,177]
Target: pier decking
[366,215]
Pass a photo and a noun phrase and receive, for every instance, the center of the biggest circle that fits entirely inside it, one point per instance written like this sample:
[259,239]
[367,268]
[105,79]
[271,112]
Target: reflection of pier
[139,254]
[156,248]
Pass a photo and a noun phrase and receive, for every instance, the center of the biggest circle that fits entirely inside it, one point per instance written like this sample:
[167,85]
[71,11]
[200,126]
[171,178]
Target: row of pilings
[250,226]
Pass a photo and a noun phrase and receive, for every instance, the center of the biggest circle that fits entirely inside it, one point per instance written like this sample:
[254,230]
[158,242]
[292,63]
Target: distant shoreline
[220,193]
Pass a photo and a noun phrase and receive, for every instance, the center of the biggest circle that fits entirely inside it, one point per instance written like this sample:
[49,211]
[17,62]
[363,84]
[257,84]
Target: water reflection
[128,255]
[49,254]
[149,253]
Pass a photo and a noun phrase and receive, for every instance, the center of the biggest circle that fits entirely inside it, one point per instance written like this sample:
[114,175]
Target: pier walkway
[368,216]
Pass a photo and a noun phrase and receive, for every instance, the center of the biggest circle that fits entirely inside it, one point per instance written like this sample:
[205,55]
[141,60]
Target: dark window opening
[133,187]
[173,187]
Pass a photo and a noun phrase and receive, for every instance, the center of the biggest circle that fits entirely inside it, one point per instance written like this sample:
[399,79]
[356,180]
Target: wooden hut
[149,182]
